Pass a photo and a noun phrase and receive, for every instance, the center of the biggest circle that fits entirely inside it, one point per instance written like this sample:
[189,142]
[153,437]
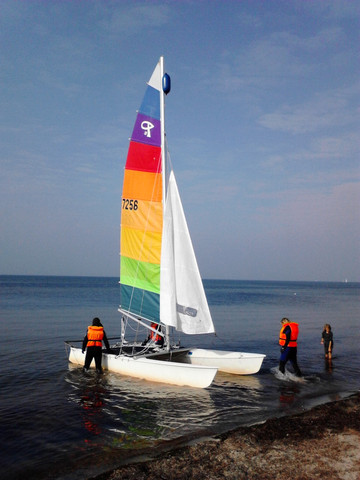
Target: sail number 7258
[129,204]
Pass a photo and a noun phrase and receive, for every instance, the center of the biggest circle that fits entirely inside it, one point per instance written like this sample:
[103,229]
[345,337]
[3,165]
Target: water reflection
[92,402]
[251,382]
[90,392]
[328,365]
[125,415]
[288,394]
[129,413]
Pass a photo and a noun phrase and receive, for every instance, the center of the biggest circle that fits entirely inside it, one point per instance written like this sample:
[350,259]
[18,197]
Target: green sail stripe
[141,275]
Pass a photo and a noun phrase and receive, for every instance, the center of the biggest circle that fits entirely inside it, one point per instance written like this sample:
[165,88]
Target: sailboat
[160,285]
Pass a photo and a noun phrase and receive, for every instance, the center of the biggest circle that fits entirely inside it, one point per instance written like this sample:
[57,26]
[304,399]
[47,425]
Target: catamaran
[160,284]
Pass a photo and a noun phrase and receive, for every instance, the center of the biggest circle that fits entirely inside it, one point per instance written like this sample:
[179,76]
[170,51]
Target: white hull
[163,371]
[237,363]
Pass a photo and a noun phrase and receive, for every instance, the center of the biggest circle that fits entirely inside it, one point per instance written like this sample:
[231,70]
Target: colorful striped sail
[159,276]
[142,209]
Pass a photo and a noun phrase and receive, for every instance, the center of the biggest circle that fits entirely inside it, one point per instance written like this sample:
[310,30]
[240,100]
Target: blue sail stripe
[150,105]
[140,302]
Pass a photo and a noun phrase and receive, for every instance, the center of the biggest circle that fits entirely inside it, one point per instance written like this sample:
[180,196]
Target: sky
[262,124]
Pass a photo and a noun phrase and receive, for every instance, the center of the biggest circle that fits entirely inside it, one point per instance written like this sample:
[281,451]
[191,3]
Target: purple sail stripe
[147,130]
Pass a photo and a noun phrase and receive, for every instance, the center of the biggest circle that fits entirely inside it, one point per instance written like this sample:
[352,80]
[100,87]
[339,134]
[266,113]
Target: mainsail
[142,210]
[159,276]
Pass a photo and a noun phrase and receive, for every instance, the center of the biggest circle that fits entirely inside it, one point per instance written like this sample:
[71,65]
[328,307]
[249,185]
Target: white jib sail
[183,303]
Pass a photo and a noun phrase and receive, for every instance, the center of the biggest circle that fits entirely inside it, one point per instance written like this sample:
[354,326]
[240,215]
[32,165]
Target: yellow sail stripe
[140,245]
[146,215]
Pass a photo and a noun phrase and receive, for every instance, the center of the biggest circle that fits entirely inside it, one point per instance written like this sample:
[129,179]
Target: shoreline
[323,442]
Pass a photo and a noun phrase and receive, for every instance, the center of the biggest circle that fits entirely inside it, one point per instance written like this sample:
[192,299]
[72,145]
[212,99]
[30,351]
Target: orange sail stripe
[142,185]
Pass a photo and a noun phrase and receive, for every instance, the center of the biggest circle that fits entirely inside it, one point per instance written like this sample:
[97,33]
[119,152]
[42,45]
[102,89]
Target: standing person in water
[288,341]
[327,340]
[93,344]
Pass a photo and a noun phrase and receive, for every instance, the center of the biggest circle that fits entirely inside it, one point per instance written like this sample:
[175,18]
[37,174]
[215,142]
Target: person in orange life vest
[288,341]
[155,337]
[92,342]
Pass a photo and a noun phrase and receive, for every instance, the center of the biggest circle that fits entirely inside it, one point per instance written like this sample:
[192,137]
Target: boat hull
[164,371]
[237,363]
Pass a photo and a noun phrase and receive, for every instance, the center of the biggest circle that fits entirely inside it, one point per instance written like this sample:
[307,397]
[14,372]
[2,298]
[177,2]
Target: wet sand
[323,443]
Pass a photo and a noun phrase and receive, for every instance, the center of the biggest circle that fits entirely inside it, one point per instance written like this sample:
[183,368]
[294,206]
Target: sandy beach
[323,443]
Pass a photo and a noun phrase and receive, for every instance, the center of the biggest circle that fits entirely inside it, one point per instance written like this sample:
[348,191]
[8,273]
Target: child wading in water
[327,340]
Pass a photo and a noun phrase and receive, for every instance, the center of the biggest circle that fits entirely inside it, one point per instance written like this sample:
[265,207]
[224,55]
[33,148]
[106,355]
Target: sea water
[58,423]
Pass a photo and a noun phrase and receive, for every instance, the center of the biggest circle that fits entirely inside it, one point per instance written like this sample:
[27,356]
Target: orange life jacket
[294,327]
[95,336]
[154,336]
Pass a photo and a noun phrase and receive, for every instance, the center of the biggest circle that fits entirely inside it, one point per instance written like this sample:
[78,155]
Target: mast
[163,162]
[162,123]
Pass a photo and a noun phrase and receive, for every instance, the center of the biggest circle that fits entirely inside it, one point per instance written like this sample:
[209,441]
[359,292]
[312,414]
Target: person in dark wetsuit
[288,341]
[93,344]
[328,340]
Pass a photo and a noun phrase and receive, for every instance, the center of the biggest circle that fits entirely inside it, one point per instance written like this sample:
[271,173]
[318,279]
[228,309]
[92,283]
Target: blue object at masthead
[166,83]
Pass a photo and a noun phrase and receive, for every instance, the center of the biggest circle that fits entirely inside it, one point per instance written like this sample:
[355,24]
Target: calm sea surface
[57,423]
